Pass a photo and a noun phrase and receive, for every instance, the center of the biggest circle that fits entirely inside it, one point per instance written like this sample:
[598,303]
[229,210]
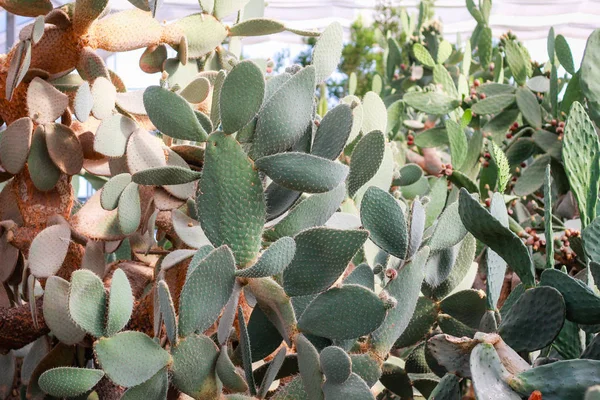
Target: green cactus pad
[167,310]
[559,380]
[276,305]
[589,72]
[178,120]
[154,388]
[130,209]
[111,191]
[87,302]
[335,364]
[246,352]
[447,389]
[529,107]
[409,174]
[381,214]
[366,159]
[295,100]
[327,51]
[353,388]
[14,144]
[405,288]
[314,267]
[591,240]
[365,366]
[169,175]
[518,63]
[144,357]
[44,173]
[449,230]
[303,172]
[112,135]
[422,55]
[420,323]
[581,155]
[396,380]
[210,284]
[333,132]
[494,104]
[431,102]
[228,374]
[273,261]
[68,381]
[349,305]
[194,366]
[361,275]
[489,374]
[197,90]
[120,303]
[458,143]
[313,211]
[583,306]
[230,199]
[56,311]
[215,112]
[225,8]
[310,367]
[241,96]
[271,373]
[535,319]
[257,27]
[467,306]
[490,231]
[203,32]
[48,250]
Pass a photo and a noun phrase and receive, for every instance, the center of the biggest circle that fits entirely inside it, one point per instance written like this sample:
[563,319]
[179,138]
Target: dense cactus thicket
[437,238]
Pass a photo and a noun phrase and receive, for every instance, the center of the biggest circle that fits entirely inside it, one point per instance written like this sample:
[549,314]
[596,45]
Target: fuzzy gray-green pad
[111,191]
[353,388]
[382,216]
[303,172]
[581,154]
[230,198]
[276,305]
[144,357]
[87,302]
[529,107]
[69,382]
[448,232]
[313,211]
[333,132]
[420,323]
[535,320]
[194,366]
[499,238]
[168,175]
[241,96]
[431,102]
[120,303]
[560,380]
[489,374]
[315,267]
[129,209]
[154,388]
[167,310]
[405,288]
[178,119]
[467,306]
[589,73]
[228,374]
[56,311]
[583,306]
[294,99]
[273,261]
[210,284]
[271,373]
[396,380]
[357,310]
[409,174]
[310,367]
[366,159]
[361,275]
[246,352]
[447,389]
[335,364]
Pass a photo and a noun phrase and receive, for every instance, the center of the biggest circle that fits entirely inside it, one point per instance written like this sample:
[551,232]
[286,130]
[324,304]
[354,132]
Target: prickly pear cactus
[436,238]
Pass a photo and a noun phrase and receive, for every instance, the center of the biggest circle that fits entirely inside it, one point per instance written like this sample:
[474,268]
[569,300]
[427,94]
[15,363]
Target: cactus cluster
[437,238]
